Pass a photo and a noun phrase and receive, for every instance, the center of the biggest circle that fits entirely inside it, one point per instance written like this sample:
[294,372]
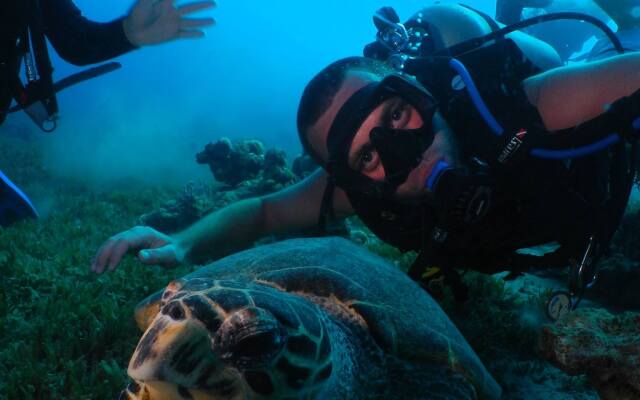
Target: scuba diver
[25,26]
[408,141]
[626,14]
[510,11]
[555,33]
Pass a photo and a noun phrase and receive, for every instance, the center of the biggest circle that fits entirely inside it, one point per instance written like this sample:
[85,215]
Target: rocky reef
[241,170]
[194,202]
[246,162]
[603,346]
[617,284]
[303,166]
[233,163]
[619,274]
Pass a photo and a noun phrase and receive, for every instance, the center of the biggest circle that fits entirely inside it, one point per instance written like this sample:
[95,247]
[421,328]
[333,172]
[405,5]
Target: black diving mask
[461,195]
[400,150]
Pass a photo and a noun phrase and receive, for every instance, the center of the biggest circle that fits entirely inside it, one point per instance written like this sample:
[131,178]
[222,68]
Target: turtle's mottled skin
[301,319]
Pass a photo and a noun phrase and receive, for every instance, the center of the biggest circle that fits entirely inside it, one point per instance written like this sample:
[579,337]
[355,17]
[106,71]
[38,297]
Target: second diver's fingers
[118,250]
[144,3]
[188,34]
[194,7]
[165,255]
[196,22]
[165,4]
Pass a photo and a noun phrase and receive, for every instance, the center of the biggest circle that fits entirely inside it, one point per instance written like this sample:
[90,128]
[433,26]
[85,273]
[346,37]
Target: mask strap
[349,118]
[327,210]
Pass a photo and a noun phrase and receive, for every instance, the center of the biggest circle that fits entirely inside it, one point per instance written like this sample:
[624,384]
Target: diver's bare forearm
[617,76]
[223,232]
[569,96]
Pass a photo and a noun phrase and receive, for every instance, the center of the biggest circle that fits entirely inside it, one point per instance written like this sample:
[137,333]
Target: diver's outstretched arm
[230,229]
[79,40]
[568,96]
[239,225]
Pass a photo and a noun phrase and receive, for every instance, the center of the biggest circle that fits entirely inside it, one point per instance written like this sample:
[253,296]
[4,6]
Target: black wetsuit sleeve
[79,40]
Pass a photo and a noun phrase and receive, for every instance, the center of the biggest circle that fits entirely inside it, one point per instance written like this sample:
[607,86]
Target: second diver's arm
[568,96]
[238,226]
[79,40]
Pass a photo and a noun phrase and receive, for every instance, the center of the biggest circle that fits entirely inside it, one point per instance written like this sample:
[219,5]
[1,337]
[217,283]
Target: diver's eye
[368,159]
[399,115]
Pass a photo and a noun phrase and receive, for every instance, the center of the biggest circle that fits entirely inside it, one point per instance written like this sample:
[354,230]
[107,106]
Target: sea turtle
[301,319]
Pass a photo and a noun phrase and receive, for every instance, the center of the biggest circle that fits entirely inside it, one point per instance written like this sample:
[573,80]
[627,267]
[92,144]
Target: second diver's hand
[159,21]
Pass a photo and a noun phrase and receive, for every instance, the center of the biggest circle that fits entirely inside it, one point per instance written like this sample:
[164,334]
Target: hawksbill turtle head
[220,340]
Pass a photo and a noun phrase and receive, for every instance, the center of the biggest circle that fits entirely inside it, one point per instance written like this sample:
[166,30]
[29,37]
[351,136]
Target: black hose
[79,78]
[477,42]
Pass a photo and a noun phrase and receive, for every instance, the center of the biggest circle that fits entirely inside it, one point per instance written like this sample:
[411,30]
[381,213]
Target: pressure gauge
[559,305]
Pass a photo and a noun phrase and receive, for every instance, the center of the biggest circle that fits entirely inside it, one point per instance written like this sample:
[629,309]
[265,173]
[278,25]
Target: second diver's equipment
[14,204]
[480,214]
[38,97]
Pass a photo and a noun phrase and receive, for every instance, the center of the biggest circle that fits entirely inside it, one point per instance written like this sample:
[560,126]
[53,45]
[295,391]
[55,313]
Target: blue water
[243,80]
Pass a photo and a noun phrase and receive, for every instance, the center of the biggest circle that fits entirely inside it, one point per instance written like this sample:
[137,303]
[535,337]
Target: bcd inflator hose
[436,173]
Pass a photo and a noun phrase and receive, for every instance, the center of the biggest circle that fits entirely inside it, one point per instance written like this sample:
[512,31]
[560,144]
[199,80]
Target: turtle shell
[401,317]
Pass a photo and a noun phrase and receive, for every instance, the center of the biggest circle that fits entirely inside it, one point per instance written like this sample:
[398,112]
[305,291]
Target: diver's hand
[159,21]
[153,248]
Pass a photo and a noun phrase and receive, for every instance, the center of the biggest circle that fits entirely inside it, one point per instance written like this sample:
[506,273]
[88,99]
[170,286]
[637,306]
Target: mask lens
[396,145]
[377,165]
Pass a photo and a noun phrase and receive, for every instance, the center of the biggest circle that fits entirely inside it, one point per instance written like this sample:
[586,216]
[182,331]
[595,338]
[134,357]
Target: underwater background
[243,80]
[125,146]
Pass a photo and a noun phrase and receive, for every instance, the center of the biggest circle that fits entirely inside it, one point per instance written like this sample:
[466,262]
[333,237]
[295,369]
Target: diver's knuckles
[103,255]
[140,230]
[120,244]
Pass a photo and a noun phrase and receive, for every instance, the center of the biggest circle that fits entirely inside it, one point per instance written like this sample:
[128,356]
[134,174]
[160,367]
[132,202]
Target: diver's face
[393,113]
[396,113]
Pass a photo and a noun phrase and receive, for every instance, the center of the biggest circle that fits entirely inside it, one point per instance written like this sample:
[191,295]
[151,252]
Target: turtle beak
[174,351]
[193,347]
[177,349]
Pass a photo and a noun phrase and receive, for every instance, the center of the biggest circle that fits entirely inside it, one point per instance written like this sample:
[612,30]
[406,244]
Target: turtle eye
[174,310]
[257,345]
[170,291]
[251,337]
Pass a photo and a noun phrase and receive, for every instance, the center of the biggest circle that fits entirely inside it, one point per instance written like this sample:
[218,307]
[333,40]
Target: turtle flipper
[148,308]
